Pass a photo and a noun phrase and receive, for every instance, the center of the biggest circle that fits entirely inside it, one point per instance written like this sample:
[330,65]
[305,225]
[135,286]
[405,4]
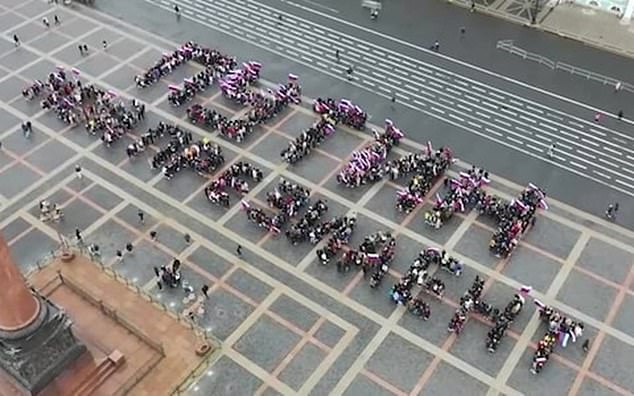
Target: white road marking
[551,115]
[493,132]
[589,142]
[612,151]
[515,140]
[507,111]
[602,174]
[586,154]
[577,165]
[419,103]
[624,183]
[507,124]
[456,117]
[598,132]
[538,149]
[496,95]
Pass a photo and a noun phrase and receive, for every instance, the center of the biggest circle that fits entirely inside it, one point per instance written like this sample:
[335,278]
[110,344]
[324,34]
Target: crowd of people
[332,114]
[288,198]
[217,63]
[181,152]
[469,302]
[103,113]
[515,218]
[427,167]
[76,103]
[340,229]
[233,179]
[466,192]
[367,164]
[309,228]
[263,105]
[235,85]
[502,321]
[462,193]
[561,329]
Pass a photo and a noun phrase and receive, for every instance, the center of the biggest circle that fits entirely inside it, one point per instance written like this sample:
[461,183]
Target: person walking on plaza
[551,150]
[620,114]
[436,46]
[78,173]
[56,20]
[78,236]
[597,117]
[586,345]
[46,23]
[337,56]
[239,250]
[349,72]
[141,216]
[27,128]
[153,235]
[618,86]
[105,45]
[177,11]
[188,239]
[610,213]
[16,40]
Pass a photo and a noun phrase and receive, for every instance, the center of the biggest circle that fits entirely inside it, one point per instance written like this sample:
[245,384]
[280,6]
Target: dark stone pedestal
[35,355]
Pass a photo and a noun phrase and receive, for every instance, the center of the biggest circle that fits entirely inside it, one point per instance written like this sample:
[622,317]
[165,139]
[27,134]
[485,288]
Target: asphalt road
[423,21]
[488,118]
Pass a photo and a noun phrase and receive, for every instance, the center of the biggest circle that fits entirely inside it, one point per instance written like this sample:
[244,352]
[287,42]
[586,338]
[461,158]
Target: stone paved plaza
[287,324]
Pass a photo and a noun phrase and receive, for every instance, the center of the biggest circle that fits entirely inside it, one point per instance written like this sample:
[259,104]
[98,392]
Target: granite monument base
[34,356]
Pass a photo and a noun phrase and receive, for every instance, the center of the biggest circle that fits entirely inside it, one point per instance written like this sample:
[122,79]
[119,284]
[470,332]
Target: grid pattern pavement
[289,325]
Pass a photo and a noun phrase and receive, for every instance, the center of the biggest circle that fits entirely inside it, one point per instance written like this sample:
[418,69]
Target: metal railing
[213,342]
[188,380]
[508,46]
[110,311]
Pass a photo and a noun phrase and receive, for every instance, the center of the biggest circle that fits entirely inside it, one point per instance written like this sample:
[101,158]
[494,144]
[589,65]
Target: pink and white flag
[539,304]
